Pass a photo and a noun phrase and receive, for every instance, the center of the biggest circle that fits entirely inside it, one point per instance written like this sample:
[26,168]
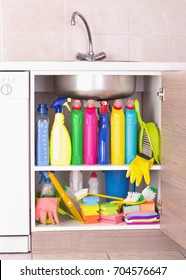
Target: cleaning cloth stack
[143,213]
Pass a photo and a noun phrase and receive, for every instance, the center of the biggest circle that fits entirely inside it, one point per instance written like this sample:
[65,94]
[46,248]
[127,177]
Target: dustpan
[149,137]
[66,199]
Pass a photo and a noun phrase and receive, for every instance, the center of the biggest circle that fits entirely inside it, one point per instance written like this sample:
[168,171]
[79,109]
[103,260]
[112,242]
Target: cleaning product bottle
[93,183]
[77,133]
[104,135]
[117,133]
[90,134]
[42,138]
[130,131]
[60,142]
[47,189]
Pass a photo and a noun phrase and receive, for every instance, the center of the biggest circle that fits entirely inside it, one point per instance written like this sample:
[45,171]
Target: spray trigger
[66,103]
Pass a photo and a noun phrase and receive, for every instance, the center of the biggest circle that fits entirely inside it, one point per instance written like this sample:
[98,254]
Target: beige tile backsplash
[136,30]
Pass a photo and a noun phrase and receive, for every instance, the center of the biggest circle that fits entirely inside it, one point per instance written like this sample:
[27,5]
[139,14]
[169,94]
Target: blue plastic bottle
[104,135]
[42,138]
[130,131]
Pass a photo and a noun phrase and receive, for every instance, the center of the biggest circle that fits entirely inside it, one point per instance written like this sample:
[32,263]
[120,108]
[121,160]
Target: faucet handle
[100,56]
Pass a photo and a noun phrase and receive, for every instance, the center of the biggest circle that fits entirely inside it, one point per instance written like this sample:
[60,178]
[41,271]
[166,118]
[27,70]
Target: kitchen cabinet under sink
[161,91]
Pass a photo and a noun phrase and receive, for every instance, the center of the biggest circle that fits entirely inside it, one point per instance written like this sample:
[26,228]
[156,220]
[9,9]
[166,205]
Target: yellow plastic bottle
[60,141]
[117,133]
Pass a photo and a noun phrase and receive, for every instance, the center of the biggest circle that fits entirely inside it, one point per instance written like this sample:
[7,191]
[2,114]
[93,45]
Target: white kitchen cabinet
[170,116]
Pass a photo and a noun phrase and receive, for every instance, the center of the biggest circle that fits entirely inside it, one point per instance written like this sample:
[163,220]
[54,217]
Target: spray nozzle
[104,107]
[59,103]
[44,177]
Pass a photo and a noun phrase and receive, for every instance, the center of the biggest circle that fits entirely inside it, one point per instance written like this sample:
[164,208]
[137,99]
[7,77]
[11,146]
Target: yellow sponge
[89,210]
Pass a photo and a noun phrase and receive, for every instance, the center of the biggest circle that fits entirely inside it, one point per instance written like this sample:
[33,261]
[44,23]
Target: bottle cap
[104,105]
[77,104]
[42,109]
[130,104]
[93,175]
[118,104]
[90,104]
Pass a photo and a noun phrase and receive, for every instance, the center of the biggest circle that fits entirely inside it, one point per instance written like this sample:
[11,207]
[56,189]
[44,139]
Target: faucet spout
[90,56]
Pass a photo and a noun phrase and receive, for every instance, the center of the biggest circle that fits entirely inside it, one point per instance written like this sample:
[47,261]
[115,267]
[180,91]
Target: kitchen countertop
[91,66]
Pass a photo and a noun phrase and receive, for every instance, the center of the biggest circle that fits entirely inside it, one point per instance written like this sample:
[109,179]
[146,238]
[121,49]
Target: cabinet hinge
[161,94]
[159,207]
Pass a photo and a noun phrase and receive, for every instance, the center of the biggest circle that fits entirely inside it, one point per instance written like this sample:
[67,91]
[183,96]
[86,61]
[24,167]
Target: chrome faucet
[90,56]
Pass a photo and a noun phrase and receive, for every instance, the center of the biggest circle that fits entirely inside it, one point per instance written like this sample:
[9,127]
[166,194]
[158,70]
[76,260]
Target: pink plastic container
[90,134]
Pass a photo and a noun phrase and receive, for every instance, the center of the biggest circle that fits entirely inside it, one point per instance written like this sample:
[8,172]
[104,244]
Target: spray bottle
[117,133]
[130,131]
[60,142]
[47,189]
[77,133]
[104,135]
[90,134]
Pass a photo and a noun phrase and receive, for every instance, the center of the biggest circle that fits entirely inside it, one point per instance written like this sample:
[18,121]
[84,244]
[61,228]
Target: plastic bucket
[116,183]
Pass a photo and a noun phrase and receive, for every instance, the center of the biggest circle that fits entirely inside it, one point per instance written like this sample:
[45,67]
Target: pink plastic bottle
[90,134]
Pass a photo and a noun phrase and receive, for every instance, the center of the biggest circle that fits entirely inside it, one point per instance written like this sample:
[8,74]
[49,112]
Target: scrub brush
[149,193]
[84,192]
[131,199]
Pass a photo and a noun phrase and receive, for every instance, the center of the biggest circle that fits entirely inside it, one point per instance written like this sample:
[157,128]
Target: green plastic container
[77,133]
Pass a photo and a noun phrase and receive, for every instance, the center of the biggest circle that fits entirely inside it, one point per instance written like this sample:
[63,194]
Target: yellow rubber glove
[138,168]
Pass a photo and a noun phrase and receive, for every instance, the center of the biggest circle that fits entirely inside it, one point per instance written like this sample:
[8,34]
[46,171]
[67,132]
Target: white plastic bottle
[76,180]
[93,183]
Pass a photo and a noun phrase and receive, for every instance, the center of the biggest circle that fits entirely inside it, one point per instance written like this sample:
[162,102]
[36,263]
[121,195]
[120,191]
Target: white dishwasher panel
[14,155]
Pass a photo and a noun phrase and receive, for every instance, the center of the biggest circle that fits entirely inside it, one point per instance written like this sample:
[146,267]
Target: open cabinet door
[173,189]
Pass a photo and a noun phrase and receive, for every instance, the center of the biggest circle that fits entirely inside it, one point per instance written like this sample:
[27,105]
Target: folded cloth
[143,215]
[142,218]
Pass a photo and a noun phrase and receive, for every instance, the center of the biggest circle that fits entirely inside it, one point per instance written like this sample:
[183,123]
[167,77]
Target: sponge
[90,200]
[89,210]
[111,219]
[107,208]
[147,206]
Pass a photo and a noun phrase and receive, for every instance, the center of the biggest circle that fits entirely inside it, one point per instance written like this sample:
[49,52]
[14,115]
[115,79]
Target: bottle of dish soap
[117,134]
[60,141]
[104,135]
[47,189]
[93,183]
[130,131]
[77,133]
[42,138]
[90,134]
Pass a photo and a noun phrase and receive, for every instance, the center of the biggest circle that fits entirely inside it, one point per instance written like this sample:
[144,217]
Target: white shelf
[67,224]
[96,167]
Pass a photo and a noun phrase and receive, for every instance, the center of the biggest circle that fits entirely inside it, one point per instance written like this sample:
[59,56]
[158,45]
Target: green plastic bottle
[77,133]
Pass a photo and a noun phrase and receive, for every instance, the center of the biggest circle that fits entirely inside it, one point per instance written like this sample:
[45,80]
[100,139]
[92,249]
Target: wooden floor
[119,245]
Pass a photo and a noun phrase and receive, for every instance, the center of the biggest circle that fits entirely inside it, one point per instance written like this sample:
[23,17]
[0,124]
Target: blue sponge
[90,200]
